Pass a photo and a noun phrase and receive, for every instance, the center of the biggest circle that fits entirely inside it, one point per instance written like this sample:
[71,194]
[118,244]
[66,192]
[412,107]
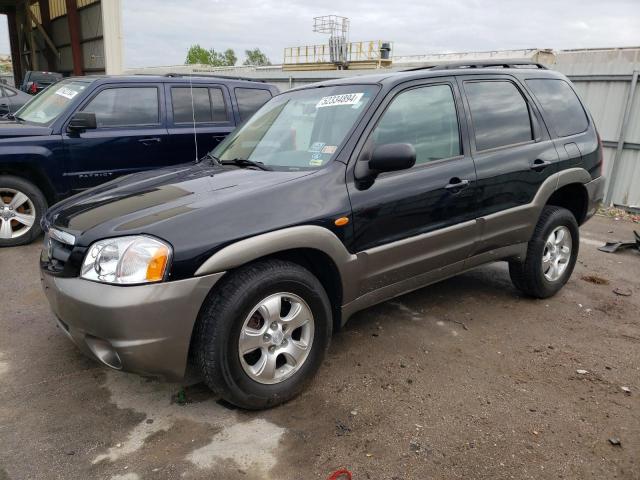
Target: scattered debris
[342,429]
[595,279]
[626,390]
[415,447]
[342,474]
[353,412]
[582,372]
[369,455]
[612,247]
[615,442]
[624,292]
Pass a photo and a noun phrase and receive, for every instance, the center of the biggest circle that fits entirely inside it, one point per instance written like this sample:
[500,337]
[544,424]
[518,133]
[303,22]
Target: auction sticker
[66,92]
[337,100]
[330,149]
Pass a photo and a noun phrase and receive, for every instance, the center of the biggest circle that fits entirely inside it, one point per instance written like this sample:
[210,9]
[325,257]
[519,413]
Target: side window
[561,106]
[130,106]
[250,100]
[499,113]
[182,104]
[426,118]
[219,108]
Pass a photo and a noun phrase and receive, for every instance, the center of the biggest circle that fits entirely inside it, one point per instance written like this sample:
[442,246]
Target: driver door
[419,220]
[130,136]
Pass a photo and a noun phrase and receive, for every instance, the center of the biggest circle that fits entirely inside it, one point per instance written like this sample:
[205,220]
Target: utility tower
[338,29]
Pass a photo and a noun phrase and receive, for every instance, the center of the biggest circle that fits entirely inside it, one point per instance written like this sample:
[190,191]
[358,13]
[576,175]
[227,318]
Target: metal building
[73,37]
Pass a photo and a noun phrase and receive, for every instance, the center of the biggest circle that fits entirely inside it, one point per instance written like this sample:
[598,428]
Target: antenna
[193,117]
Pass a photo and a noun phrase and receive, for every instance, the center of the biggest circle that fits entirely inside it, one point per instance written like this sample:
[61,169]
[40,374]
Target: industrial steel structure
[74,37]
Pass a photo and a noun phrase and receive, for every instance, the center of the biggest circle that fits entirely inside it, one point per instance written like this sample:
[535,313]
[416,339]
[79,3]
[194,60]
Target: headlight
[126,260]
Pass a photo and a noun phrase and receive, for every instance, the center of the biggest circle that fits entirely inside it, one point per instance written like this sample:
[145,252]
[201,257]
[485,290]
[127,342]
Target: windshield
[45,107]
[299,130]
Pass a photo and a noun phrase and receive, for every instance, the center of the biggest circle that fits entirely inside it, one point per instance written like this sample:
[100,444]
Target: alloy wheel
[17,213]
[556,253]
[276,338]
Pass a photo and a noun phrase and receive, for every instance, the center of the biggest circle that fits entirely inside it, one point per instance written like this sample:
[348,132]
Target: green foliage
[197,54]
[256,58]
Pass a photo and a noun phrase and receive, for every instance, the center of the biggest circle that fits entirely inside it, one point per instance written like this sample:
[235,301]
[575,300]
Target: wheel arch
[30,172]
[313,247]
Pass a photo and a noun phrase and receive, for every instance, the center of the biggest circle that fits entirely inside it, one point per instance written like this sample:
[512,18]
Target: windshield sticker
[316,147]
[329,149]
[66,92]
[337,100]
[315,162]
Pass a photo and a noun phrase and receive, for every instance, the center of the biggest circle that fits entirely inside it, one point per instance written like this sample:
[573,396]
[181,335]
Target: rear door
[421,219]
[513,155]
[199,117]
[131,135]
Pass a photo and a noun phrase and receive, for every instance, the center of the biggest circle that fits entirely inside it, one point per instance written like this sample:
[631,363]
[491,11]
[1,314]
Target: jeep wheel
[21,208]
[551,254]
[262,333]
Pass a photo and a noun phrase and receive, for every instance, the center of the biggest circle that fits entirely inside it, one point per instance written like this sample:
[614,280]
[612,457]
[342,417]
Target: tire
[539,280]
[31,208]
[226,314]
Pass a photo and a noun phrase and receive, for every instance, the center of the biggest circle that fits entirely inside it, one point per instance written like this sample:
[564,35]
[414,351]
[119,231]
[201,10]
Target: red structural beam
[74,33]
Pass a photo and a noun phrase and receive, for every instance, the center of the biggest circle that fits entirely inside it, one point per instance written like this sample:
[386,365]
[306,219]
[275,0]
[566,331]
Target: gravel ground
[464,379]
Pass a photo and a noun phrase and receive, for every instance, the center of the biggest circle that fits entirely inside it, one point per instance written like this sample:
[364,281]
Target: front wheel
[22,205]
[551,254]
[262,333]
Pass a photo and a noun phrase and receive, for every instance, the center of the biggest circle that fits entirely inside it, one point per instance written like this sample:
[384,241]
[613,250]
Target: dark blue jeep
[84,131]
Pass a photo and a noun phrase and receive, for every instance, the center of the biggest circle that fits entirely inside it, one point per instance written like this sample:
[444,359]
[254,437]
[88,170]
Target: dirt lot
[464,379]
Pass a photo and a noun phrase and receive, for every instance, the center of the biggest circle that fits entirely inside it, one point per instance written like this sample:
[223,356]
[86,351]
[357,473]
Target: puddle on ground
[227,433]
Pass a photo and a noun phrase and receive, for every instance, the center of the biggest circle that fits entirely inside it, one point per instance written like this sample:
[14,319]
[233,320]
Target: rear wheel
[551,254]
[262,334]
[22,205]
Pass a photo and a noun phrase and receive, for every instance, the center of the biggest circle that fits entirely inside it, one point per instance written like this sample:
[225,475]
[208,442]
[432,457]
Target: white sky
[159,32]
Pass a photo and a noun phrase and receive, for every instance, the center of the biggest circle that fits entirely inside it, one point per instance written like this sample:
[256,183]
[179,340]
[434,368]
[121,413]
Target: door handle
[539,165]
[150,140]
[455,185]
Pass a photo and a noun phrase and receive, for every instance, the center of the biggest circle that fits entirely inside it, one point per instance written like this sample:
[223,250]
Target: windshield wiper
[243,163]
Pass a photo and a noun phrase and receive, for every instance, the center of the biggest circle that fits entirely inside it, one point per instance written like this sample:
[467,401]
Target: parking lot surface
[463,379]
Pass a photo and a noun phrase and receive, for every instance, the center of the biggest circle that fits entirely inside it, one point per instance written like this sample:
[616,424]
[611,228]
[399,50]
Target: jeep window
[250,100]
[208,105]
[499,113]
[127,106]
[561,106]
[299,130]
[424,117]
[45,107]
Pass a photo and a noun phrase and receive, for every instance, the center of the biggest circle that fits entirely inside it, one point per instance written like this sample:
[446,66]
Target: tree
[197,54]
[256,58]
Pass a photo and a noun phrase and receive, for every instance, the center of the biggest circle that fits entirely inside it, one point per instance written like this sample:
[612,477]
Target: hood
[141,202]
[12,128]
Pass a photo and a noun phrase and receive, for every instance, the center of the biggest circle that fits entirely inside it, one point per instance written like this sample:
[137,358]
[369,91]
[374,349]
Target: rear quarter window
[250,100]
[560,104]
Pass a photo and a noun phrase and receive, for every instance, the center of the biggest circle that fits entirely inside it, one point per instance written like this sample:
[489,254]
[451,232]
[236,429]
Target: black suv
[332,198]
[84,131]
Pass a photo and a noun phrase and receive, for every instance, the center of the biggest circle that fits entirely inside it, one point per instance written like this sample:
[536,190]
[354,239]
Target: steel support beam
[73,19]
[14,43]
[31,38]
[51,54]
[623,133]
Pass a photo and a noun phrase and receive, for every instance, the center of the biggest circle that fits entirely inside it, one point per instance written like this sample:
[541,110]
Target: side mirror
[392,157]
[81,121]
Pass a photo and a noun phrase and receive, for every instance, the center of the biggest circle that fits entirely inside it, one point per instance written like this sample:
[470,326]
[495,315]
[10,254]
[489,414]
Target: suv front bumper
[144,329]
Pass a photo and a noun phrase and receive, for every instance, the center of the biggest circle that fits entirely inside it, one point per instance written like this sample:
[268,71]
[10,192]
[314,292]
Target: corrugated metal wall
[603,79]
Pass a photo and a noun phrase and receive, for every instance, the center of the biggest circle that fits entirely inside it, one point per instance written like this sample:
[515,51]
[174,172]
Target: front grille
[58,258]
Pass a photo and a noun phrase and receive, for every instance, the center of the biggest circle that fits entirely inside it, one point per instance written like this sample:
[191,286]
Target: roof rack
[225,77]
[464,65]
